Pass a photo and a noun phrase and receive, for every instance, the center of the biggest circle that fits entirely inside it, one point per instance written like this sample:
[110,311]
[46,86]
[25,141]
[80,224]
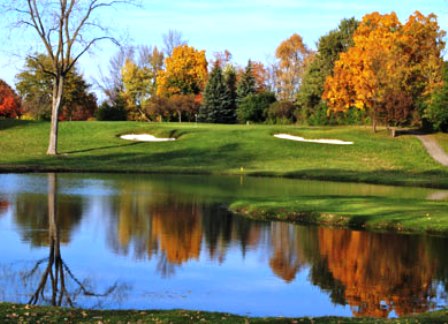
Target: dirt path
[434,149]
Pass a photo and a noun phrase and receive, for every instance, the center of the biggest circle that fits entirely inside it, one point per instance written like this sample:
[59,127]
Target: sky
[249,29]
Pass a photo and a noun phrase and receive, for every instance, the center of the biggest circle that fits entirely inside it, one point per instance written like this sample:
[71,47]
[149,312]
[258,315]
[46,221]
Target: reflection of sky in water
[108,242]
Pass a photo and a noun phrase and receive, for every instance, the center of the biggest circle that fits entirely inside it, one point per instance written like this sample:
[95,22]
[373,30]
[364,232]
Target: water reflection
[373,274]
[4,204]
[380,272]
[56,284]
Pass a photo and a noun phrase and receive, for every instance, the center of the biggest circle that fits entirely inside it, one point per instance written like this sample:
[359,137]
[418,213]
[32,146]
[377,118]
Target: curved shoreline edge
[333,220]
[401,180]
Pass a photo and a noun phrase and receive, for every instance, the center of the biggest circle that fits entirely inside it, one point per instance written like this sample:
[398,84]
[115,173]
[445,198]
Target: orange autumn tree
[10,106]
[185,72]
[389,70]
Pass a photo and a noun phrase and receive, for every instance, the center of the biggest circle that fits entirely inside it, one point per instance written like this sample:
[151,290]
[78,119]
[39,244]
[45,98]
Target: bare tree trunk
[58,90]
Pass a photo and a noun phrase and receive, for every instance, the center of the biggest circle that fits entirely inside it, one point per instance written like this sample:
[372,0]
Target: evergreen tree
[230,81]
[217,103]
[246,85]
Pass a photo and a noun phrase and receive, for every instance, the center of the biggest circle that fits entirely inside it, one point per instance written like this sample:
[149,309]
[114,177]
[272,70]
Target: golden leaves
[388,60]
[185,73]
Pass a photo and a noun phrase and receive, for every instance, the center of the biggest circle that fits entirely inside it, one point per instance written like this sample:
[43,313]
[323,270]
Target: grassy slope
[12,313]
[221,149]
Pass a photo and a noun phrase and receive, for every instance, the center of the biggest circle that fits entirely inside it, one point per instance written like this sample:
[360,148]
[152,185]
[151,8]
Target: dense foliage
[437,111]
[312,109]
[253,108]
[10,105]
[377,71]
[35,87]
[390,70]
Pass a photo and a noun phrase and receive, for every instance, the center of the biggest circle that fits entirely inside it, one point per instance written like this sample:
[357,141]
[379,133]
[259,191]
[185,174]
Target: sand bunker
[145,138]
[320,141]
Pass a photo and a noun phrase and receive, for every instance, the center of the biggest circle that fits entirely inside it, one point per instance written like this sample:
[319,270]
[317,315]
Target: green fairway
[222,149]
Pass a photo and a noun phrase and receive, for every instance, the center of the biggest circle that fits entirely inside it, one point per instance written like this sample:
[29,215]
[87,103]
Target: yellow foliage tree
[137,84]
[389,69]
[185,72]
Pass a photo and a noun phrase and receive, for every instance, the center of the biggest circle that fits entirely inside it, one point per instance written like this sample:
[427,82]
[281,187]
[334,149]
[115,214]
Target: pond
[169,242]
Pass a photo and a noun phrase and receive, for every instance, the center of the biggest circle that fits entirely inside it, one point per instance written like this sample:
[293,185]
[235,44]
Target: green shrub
[282,112]
[254,107]
[107,112]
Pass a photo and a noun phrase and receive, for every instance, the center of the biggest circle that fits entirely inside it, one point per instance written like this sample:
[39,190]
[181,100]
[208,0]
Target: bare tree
[67,29]
[171,40]
[112,84]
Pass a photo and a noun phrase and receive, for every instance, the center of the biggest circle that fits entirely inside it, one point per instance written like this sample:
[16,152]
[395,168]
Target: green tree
[246,84]
[35,87]
[253,108]
[312,109]
[230,80]
[218,106]
[112,112]
[437,111]
[281,112]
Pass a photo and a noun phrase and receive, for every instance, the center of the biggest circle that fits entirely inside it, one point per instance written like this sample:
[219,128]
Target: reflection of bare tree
[56,273]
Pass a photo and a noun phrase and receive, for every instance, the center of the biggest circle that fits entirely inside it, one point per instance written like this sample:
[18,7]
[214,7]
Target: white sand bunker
[320,141]
[145,138]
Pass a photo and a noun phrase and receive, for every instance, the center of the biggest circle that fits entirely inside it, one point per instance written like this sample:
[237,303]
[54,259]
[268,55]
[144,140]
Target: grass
[13,313]
[221,149]
[442,139]
[357,212]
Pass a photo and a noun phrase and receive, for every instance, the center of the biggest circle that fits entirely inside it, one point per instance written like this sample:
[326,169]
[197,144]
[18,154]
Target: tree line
[376,71]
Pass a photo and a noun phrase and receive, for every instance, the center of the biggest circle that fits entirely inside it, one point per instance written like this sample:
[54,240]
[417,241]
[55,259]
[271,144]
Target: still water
[167,242]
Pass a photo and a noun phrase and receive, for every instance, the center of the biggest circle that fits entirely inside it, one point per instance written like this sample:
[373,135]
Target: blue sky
[247,28]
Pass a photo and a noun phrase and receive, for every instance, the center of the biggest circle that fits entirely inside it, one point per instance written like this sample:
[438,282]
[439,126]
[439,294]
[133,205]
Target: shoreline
[427,183]
[334,221]
[22,313]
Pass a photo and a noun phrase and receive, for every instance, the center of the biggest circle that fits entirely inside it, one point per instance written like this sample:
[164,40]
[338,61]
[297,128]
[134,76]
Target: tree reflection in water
[3,204]
[381,273]
[54,280]
[376,274]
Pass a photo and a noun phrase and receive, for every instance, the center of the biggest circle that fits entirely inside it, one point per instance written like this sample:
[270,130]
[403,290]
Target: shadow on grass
[11,123]
[100,148]
[192,160]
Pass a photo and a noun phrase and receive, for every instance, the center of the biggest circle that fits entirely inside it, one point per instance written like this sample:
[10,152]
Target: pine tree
[230,81]
[246,85]
[216,98]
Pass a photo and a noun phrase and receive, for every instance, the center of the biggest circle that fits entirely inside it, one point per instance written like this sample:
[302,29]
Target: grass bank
[13,313]
[380,214]
[221,149]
